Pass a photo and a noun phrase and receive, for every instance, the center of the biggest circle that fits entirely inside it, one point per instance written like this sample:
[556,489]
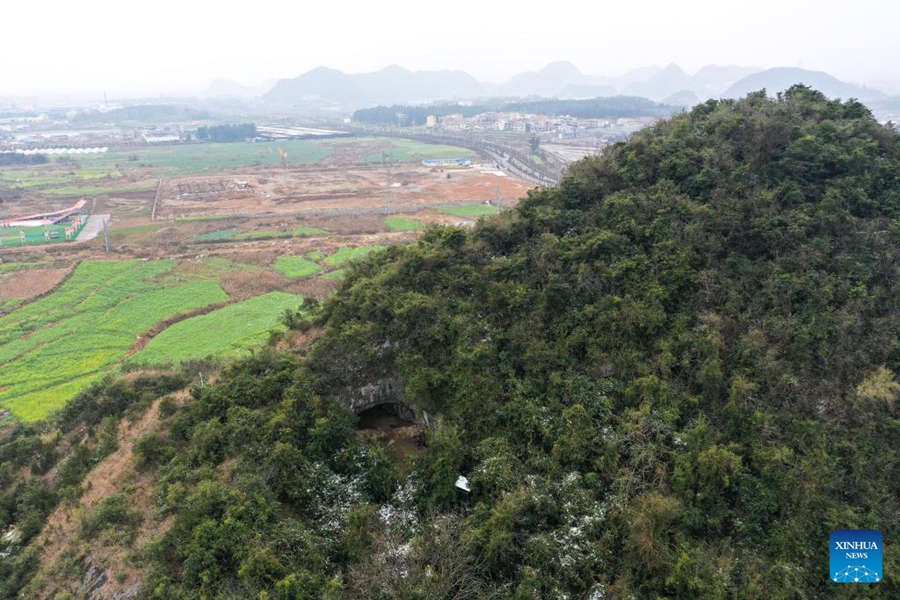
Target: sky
[179,46]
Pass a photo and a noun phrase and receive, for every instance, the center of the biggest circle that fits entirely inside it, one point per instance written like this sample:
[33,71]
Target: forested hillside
[671,376]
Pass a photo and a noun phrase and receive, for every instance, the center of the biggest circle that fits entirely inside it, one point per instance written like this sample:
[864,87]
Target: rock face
[93,587]
[385,391]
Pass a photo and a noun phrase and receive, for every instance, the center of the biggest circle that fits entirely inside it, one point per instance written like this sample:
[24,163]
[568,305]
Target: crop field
[228,331]
[63,341]
[138,169]
[235,239]
[345,255]
[310,231]
[469,210]
[296,267]
[403,224]
[402,150]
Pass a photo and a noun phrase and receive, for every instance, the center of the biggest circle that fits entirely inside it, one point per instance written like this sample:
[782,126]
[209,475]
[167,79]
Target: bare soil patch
[30,283]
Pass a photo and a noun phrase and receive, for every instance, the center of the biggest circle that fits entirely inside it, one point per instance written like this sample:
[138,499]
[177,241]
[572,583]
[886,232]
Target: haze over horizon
[96,46]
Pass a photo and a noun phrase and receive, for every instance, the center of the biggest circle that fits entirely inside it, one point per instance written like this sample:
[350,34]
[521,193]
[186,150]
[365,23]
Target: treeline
[613,107]
[146,113]
[15,158]
[226,133]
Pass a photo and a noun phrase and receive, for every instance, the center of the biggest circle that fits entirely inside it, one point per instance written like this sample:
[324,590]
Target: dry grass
[312,287]
[61,540]
[259,258]
[241,285]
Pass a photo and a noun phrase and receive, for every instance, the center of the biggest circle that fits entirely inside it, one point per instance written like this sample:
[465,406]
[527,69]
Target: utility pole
[387,159]
[106,234]
[499,199]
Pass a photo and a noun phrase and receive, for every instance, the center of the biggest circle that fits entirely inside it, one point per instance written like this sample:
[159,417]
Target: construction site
[358,189]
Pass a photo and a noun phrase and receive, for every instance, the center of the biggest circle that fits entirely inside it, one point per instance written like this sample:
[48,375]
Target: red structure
[41,219]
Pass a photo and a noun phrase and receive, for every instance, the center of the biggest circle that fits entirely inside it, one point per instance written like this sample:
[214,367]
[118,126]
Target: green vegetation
[671,376]
[263,235]
[295,267]
[469,210]
[403,150]
[403,224]
[11,236]
[338,274]
[315,255]
[536,159]
[668,375]
[221,234]
[229,331]
[301,231]
[54,346]
[345,255]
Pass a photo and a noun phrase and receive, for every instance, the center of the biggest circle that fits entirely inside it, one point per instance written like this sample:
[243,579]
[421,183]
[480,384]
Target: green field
[228,331]
[469,210]
[347,254]
[301,231]
[11,236]
[337,275]
[97,174]
[51,348]
[403,150]
[222,234]
[296,267]
[263,235]
[403,224]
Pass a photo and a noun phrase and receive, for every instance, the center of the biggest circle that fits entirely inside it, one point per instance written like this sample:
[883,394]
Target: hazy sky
[171,46]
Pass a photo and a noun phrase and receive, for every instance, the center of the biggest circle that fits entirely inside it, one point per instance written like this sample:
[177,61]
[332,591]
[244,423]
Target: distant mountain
[581,91]
[391,85]
[685,98]
[230,89]
[639,74]
[394,84]
[670,80]
[548,82]
[321,84]
[781,78]
[712,80]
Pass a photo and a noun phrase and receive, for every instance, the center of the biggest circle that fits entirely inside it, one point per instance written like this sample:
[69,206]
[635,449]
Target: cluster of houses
[562,127]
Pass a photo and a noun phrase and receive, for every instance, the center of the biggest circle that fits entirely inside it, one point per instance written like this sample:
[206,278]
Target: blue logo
[856,556]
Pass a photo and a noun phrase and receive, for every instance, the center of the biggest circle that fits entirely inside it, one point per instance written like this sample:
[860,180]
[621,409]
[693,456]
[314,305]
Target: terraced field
[55,346]
[229,331]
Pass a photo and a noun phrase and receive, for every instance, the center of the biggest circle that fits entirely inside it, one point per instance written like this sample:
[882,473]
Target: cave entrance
[387,416]
[394,426]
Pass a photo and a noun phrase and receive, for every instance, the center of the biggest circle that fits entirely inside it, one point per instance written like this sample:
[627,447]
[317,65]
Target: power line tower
[498,199]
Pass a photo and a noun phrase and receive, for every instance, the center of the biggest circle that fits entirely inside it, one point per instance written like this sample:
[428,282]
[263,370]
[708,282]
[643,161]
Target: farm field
[469,210]
[345,255]
[138,169]
[403,224]
[63,341]
[228,331]
[236,238]
[295,267]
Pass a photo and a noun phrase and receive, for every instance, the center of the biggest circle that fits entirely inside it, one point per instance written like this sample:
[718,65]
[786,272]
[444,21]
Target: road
[93,228]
